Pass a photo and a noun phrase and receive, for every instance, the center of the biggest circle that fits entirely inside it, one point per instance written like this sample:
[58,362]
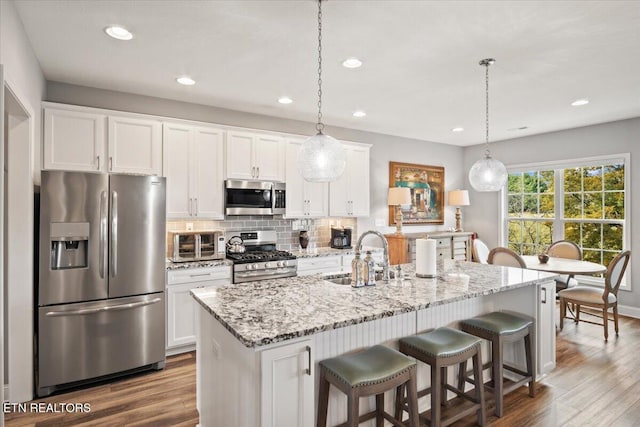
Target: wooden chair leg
[563,312]
[436,410]
[462,376]
[615,317]
[412,397]
[605,320]
[496,354]
[323,401]
[577,313]
[477,374]
[399,401]
[353,409]
[380,410]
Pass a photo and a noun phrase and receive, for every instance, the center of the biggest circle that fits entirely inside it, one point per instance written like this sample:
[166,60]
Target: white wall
[609,138]
[25,81]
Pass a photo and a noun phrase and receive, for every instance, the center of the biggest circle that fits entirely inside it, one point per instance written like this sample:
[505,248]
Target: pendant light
[321,157]
[487,174]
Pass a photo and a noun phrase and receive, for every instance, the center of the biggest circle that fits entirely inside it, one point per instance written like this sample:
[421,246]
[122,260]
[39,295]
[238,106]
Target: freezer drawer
[77,342]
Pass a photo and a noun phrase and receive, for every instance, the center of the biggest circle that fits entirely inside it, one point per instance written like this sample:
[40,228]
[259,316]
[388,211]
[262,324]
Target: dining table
[564,265]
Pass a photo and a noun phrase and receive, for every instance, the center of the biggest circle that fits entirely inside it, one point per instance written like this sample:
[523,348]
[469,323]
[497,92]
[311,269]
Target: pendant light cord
[319,125]
[486,78]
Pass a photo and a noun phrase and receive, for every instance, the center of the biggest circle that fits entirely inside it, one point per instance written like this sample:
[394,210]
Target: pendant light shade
[322,158]
[487,174]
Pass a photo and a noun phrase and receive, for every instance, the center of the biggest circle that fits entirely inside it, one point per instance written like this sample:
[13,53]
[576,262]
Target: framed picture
[427,192]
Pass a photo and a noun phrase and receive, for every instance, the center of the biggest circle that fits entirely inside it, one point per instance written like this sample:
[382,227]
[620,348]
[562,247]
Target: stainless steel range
[260,259]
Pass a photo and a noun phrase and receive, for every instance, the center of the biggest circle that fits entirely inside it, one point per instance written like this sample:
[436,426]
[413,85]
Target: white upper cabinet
[304,199]
[193,165]
[74,140]
[79,139]
[254,156]
[135,146]
[349,195]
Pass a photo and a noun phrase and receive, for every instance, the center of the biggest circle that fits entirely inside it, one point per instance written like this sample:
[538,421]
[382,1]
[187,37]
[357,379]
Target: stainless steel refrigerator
[100,293]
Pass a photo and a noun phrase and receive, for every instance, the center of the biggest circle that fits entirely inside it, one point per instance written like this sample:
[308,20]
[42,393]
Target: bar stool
[373,371]
[441,348]
[501,327]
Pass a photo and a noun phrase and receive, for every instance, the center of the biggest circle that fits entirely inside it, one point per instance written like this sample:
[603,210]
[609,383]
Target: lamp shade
[399,196]
[458,198]
[488,174]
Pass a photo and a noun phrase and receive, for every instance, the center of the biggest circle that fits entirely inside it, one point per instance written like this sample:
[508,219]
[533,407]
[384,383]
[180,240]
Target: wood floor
[595,383]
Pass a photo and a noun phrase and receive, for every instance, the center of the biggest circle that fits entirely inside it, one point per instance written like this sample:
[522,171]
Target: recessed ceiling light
[352,63]
[579,102]
[457,129]
[185,80]
[359,113]
[118,32]
[285,100]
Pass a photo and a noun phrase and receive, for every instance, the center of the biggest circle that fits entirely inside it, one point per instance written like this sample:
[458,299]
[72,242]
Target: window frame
[558,231]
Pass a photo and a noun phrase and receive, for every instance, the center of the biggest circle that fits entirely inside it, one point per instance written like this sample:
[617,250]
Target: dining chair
[565,249]
[601,299]
[479,251]
[505,257]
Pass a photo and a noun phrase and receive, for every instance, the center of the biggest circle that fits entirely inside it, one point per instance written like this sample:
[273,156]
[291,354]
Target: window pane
[593,256]
[547,208]
[608,256]
[530,205]
[515,183]
[593,205]
[612,237]
[614,205]
[530,182]
[591,236]
[546,234]
[614,177]
[592,179]
[573,205]
[515,205]
[515,231]
[515,247]
[572,232]
[529,232]
[572,180]
[529,250]
[547,181]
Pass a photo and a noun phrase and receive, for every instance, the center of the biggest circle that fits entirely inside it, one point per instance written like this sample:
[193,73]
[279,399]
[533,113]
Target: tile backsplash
[319,229]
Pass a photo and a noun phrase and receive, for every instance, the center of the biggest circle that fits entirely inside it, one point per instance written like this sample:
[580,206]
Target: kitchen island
[259,343]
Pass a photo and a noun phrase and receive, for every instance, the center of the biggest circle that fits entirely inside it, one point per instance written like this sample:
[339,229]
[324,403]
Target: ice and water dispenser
[69,245]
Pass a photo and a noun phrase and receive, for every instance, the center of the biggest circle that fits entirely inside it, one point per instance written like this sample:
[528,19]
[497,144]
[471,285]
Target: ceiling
[420,76]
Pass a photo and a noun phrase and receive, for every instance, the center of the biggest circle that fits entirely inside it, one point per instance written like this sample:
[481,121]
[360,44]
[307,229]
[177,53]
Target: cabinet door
[317,196]
[358,169]
[546,323]
[267,158]
[177,168]
[240,156]
[288,385]
[135,146]
[339,201]
[74,140]
[207,161]
[181,315]
[296,206]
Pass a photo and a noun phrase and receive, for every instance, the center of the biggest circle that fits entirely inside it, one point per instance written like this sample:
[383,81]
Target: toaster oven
[197,245]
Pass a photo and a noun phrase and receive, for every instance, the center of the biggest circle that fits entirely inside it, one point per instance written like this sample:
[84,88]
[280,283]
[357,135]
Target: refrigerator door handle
[103,233]
[114,233]
[102,309]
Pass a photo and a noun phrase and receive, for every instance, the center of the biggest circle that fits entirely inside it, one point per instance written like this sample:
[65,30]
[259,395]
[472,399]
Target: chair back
[565,249]
[505,257]
[479,251]
[615,271]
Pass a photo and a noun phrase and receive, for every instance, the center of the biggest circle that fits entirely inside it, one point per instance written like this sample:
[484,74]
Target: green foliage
[614,205]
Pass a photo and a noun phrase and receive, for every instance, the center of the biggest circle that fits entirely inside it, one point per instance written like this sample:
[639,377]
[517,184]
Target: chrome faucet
[385,255]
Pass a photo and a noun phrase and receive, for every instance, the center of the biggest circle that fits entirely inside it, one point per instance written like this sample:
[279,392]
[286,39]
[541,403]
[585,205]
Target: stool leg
[477,374]
[380,410]
[443,383]
[323,400]
[353,408]
[462,375]
[529,345]
[436,410]
[563,312]
[498,385]
[399,402]
[412,398]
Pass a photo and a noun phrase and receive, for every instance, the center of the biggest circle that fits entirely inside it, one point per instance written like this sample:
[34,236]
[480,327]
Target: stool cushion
[498,323]
[441,342]
[373,365]
[587,294]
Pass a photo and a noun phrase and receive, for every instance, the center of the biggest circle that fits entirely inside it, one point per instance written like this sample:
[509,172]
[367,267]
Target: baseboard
[177,350]
[626,310]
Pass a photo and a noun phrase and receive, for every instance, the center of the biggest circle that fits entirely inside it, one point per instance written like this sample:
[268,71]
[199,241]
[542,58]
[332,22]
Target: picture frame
[427,192]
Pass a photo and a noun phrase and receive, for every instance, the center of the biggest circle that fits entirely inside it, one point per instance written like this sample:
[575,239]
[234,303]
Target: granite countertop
[322,252]
[268,311]
[170,265]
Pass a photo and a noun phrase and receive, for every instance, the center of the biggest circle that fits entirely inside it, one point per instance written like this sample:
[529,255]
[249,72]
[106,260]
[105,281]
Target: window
[583,201]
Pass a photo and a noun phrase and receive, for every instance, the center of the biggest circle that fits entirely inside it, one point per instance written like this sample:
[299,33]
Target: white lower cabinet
[181,307]
[287,385]
[546,322]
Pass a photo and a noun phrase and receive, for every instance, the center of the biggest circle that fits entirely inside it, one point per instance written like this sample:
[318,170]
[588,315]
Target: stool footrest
[372,415]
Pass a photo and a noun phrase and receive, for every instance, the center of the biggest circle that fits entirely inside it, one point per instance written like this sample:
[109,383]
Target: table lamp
[458,198]
[397,197]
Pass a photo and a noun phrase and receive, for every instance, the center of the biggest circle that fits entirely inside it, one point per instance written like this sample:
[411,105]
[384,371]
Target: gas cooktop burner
[253,256]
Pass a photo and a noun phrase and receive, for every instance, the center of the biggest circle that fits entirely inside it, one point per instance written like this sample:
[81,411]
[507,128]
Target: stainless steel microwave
[197,245]
[254,197]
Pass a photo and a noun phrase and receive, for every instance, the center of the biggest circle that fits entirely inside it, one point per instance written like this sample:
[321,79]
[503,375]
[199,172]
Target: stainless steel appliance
[340,238]
[101,277]
[261,260]
[254,197]
[197,245]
